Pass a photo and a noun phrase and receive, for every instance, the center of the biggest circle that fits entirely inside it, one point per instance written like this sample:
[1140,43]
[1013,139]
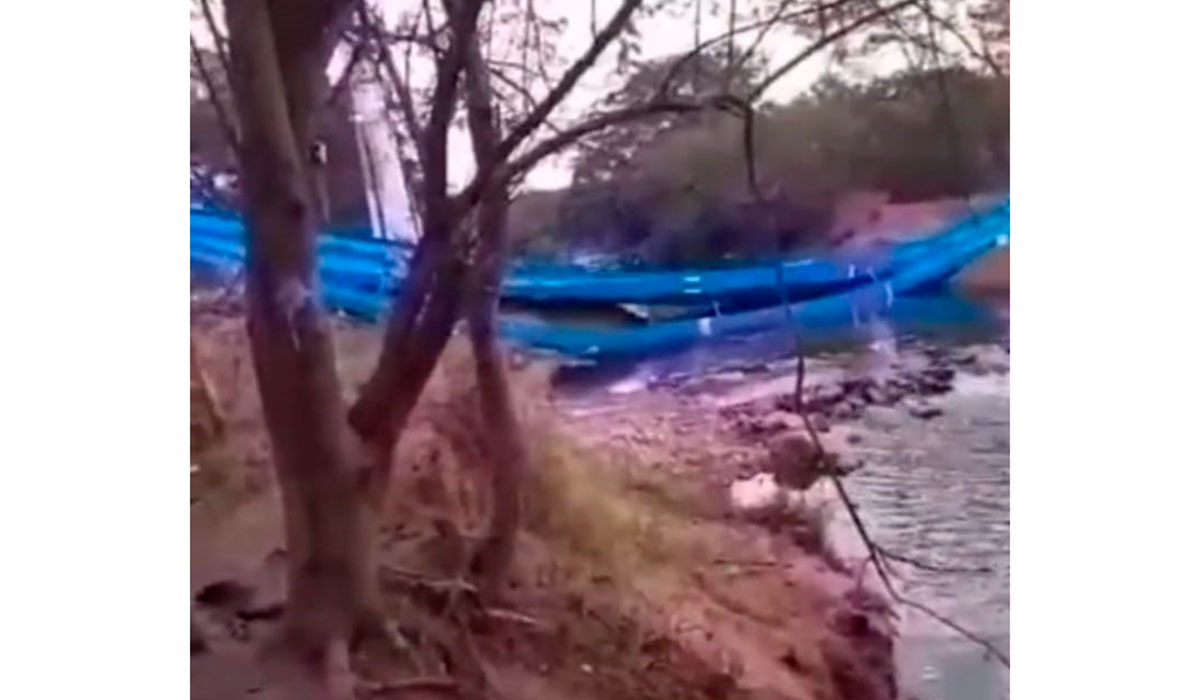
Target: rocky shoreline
[734,433]
[746,414]
[909,382]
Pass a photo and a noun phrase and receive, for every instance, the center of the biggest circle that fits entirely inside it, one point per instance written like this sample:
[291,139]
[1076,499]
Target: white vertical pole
[387,196]
[368,178]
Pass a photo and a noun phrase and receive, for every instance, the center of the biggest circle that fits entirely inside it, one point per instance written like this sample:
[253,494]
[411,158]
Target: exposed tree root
[446,611]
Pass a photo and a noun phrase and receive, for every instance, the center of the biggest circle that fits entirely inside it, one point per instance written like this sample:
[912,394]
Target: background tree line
[672,192]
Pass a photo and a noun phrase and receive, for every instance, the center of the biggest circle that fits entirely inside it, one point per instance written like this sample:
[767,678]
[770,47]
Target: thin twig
[823,42]
[513,616]
[529,20]
[400,86]
[219,40]
[731,48]
[875,555]
[416,578]
[428,14]
[568,81]
[443,683]
[214,98]
[764,26]
[956,139]
[926,566]
[906,34]
[983,55]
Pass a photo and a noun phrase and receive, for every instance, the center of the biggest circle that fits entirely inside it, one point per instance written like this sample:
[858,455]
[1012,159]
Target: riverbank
[635,577]
[924,428]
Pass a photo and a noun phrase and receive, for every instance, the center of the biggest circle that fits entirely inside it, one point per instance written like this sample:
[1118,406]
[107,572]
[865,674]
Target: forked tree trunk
[431,302]
[510,460]
[418,331]
[332,587]
[505,437]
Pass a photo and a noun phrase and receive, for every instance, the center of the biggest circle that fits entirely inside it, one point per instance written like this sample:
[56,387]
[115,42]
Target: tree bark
[504,437]
[422,322]
[418,331]
[278,67]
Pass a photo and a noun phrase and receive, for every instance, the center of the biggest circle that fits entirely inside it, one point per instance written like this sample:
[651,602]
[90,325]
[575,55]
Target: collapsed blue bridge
[361,277]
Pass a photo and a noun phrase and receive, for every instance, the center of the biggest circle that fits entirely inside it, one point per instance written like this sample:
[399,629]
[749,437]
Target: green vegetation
[674,191]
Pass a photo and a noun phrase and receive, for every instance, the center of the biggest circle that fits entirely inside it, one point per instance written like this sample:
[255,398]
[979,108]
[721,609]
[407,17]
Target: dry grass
[602,509]
[591,507]
[639,561]
[228,471]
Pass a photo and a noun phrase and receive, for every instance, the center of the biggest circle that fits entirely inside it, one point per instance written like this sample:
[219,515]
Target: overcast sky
[662,36]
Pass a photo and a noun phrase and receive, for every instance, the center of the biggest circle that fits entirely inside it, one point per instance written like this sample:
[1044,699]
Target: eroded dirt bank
[636,576]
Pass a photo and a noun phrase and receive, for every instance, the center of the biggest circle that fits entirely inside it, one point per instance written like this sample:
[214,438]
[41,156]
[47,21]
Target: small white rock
[756,493]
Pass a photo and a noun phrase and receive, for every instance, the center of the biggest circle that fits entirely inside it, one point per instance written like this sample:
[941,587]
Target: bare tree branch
[764,26]
[395,100]
[529,21]
[529,98]
[214,98]
[400,86]
[909,38]
[983,56]
[926,566]
[825,41]
[219,40]
[462,19]
[480,116]
[568,136]
[428,14]
[387,36]
[876,556]
[540,54]
[559,92]
[731,48]
[515,86]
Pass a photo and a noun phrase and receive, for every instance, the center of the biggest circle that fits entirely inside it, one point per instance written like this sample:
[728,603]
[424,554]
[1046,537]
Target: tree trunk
[332,586]
[421,325]
[510,461]
[417,333]
[505,439]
